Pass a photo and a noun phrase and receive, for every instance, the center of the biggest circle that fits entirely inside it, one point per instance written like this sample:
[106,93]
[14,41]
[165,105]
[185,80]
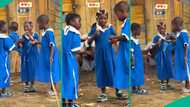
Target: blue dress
[29,59]
[14,36]
[70,77]
[122,60]
[162,61]
[137,77]
[43,75]
[6,45]
[104,57]
[180,66]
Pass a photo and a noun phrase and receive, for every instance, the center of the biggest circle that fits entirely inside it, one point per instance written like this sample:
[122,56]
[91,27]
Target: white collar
[124,23]
[3,35]
[136,41]
[178,33]
[28,37]
[162,37]
[48,29]
[102,29]
[72,29]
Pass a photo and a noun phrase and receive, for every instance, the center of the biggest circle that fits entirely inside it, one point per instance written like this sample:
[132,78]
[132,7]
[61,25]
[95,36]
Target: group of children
[37,62]
[41,63]
[167,47]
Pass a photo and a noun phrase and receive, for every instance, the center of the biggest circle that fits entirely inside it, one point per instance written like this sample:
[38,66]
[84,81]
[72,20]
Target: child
[71,45]
[138,69]
[104,53]
[13,32]
[6,45]
[181,53]
[49,58]
[29,57]
[164,73]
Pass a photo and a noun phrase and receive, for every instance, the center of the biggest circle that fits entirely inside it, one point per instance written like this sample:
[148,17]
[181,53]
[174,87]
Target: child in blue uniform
[163,65]
[137,77]
[13,32]
[121,76]
[49,56]
[29,57]
[104,53]
[71,45]
[6,45]
[182,54]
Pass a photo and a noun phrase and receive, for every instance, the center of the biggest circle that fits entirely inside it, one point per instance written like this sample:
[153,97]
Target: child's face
[27,27]
[76,23]
[4,29]
[121,15]
[162,29]
[102,20]
[137,32]
[41,25]
[174,27]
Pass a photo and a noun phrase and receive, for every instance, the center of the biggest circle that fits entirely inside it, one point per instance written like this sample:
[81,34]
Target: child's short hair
[161,24]
[70,17]
[121,6]
[101,12]
[43,18]
[2,24]
[135,26]
[178,20]
[29,22]
[13,26]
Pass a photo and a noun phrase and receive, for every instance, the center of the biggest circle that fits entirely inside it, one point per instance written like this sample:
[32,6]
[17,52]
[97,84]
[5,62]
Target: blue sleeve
[155,39]
[76,43]
[112,30]
[8,44]
[51,38]
[92,30]
[125,31]
[185,38]
[36,36]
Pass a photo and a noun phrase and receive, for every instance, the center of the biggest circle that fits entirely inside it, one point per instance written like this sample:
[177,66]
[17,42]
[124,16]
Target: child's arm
[51,54]
[93,37]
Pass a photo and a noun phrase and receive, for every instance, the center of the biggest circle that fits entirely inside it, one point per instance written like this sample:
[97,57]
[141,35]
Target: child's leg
[72,103]
[31,87]
[103,90]
[187,84]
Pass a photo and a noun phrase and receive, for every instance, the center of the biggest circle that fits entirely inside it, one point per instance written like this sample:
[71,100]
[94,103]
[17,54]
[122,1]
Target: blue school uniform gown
[104,57]
[137,77]
[6,45]
[122,60]
[29,59]
[43,75]
[180,66]
[70,77]
[14,36]
[162,61]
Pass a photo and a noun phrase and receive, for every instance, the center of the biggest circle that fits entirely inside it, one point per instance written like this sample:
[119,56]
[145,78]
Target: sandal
[163,86]
[141,92]
[102,97]
[6,94]
[121,96]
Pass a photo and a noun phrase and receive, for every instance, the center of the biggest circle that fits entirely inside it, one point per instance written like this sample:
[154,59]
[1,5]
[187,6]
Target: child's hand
[33,42]
[113,41]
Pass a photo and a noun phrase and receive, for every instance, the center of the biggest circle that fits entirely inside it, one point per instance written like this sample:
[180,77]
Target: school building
[146,12]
